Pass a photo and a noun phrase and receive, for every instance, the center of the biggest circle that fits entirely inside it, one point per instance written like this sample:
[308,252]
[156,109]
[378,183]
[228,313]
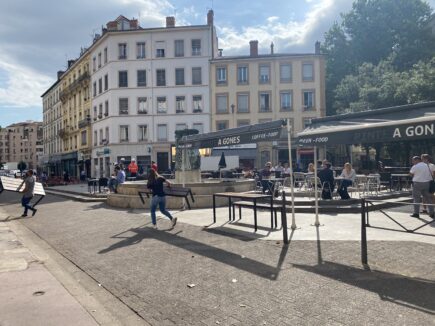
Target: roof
[264,56]
[399,123]
[51,87]
[243,135]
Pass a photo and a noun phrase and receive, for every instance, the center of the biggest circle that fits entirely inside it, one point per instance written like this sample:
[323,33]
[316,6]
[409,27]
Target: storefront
[69,163]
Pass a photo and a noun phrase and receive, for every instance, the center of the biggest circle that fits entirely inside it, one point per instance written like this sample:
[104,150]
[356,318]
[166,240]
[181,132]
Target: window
[197,103]
[141,78]
[94,63]
[196,47]
[99,60]
[94,88]
[142,133]
[286,101]
[107,135]
[179,48]
[122,78]
[106,108]
[179,76]
[162,132]
[180,104]
[95,138]
[241,123]
[142,105]
[264,102]
[221,103]
[101,137]
[180,126]
[199,127]
[264,74]
[106,82]
[221,75]
[95,113]
[196,76]
[306,122]
[140,50]
[161,77]
[84,138]
[100,110]
[160,49]
[105,55]
[100,85]
[242,103]
[242,75]
[221,125]
[123,106]
[308,100]
[161,104]
[122,51]
[285,73]
[123,135]
[307,72]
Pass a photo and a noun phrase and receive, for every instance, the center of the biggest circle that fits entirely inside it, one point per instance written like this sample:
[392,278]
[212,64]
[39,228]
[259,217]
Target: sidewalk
[30,295]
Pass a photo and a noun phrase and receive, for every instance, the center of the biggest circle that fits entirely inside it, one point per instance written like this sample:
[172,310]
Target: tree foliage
[372,32]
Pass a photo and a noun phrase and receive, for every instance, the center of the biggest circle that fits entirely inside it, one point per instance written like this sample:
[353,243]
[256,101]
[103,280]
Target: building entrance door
[162,161]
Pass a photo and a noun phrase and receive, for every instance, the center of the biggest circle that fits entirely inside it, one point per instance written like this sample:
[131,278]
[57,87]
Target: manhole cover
[38,293]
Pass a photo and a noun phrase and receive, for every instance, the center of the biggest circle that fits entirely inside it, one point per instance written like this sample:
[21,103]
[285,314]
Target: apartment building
[50,161]
[22,142]
[75,130]
[258,88]
[147,83]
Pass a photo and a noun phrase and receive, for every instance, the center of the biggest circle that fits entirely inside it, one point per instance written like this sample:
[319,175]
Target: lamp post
[233,115]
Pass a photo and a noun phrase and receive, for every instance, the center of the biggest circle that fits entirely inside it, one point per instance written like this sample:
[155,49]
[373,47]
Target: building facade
[75,131]
[146,84]
[264,87]
[52,122]
[22,142]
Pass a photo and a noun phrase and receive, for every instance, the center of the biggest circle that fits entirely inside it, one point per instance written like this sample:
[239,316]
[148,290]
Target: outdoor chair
[299,180]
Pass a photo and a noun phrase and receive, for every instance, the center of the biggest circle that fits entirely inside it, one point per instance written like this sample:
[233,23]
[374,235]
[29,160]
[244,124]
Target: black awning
[401,123]
[243,135]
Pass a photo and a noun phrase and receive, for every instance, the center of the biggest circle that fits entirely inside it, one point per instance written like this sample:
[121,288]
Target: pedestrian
[422,174]
[117,180]
[66,177]
[44,178]
[82,175]
[153,166]
[133,168]
[28,192]
[155,183]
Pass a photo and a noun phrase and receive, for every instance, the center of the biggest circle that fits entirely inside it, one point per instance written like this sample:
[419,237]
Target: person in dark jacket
[326,177]
[155,183]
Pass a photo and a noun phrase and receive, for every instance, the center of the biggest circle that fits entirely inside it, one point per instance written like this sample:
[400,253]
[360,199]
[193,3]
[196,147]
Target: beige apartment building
[75,130]
[22,142]
[258,88]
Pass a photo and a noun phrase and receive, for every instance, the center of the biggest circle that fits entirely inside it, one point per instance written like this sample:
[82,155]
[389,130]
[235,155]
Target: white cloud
[288,36]
[23,86]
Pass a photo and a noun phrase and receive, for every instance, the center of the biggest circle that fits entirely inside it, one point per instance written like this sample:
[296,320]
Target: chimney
[170,21]
[210,16]
[317,47]
[253,48]
[220,52]
[271,48]
[60,73]
[70,63]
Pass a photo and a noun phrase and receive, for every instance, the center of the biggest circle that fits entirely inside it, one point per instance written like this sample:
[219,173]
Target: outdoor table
[92,183]
[254,197]
[237,175]
[398,178]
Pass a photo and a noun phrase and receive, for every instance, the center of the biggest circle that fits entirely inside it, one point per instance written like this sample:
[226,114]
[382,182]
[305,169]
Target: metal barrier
[365,208]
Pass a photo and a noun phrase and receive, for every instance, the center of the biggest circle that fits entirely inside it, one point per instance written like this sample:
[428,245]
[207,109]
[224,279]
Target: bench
[262,206]
[170,191]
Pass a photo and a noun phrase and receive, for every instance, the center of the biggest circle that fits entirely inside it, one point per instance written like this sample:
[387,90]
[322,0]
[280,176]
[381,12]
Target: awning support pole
[183,170]
[316,223]
[293,226]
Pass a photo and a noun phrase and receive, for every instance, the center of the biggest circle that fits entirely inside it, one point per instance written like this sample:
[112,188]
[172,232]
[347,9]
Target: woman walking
[155,183]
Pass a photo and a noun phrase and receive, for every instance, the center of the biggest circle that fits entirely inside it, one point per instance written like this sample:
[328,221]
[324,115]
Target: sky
[38,37]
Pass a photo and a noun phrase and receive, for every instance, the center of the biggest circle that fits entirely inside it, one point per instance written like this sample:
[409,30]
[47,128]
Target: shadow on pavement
[217,254]
[414,293]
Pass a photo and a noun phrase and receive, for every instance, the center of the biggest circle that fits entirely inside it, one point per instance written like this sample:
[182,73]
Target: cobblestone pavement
[238,280]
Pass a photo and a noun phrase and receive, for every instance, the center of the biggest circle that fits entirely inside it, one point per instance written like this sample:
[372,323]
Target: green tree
[373,31]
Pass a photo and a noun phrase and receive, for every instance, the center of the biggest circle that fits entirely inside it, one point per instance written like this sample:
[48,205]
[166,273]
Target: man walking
[421,177]
[28,192]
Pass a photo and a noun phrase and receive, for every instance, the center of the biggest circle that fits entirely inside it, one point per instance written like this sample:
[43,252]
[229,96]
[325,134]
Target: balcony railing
[84,123]
[83,78]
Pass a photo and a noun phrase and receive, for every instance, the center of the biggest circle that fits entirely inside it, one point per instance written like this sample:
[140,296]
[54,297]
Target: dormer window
[123,25]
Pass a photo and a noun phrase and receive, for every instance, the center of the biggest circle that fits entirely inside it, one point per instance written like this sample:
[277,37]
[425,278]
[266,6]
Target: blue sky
[38,37]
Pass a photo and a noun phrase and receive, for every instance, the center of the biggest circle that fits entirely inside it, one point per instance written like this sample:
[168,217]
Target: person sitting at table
[265,176]
[286,170]
[327,180]
[310,169]
[348,174]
